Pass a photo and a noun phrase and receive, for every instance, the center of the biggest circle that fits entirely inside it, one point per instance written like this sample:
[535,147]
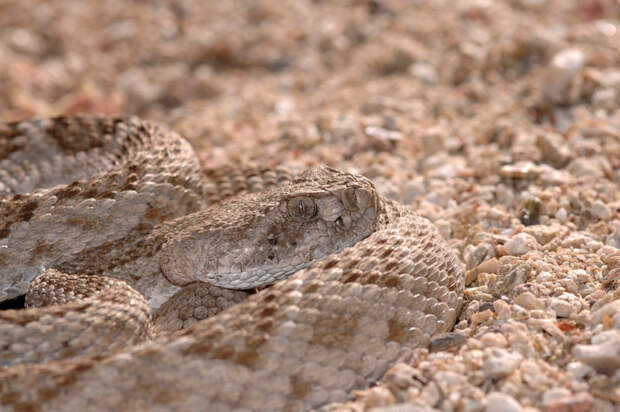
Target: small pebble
[481,317]
[378,396]
[400,377]
[586,166]
[502,309]
[578,370]
[488,266]
[405,407]
[564,67]
[561,215]
[471,405]
[528,301]
[603,354]
[509,279]
[544,277]
[530,210]
[447,341]
[579,402]
[609,310]
[494,340]
[519,171]
[605,99]
[600,211]
[432,141]
[500,402]
[532,374]
[555,393]
[554,149]
[500,362]
[562,308]
[449,381]
[579,276]
[521,244]
[424,71]
[430,394]
[476,256]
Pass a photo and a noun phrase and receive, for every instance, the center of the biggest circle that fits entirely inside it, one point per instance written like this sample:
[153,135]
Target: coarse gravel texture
[498,120]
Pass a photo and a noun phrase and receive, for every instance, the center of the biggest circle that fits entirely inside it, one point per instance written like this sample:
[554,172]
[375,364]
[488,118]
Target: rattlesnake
[97,204]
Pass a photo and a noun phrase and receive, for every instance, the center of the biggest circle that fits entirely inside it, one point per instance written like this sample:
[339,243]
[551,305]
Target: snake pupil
[302,208]
[339,223]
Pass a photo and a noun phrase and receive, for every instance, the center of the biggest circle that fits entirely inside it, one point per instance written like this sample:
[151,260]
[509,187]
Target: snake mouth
[301,251]
[267,275]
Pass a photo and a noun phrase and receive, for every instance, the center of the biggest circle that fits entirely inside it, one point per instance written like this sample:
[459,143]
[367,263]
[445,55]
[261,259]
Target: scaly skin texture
[145,213]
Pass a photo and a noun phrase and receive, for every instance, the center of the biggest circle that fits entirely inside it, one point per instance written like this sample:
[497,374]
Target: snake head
[257,239]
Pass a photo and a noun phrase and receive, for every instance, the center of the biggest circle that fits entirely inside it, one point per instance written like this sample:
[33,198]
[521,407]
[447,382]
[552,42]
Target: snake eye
[339,223]
[302,208]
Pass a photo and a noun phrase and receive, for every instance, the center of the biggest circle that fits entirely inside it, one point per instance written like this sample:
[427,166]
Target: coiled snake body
[115,219]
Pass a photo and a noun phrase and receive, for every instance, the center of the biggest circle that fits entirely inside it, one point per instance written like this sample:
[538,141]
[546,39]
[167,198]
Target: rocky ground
[498,120]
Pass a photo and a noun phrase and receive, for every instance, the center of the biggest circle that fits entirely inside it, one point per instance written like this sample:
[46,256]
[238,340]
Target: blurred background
[265,78]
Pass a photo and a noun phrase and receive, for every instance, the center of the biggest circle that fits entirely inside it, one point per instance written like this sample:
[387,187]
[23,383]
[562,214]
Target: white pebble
[529,301]
[502,309]
[600,210]
[562,308]
[604,352]
[424,71]
[491,339]
[555,393]
[500,402]
[579,276]
[561,215]
[499,362]
[608,310]
[578,370]
[565,65]
[544,277]
[586,167]
[521,244]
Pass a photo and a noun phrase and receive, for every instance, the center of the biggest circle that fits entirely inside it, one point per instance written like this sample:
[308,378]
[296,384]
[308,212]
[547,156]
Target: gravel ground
[498,120]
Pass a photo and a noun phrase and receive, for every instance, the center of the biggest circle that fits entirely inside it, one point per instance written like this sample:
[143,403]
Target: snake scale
[109,222]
